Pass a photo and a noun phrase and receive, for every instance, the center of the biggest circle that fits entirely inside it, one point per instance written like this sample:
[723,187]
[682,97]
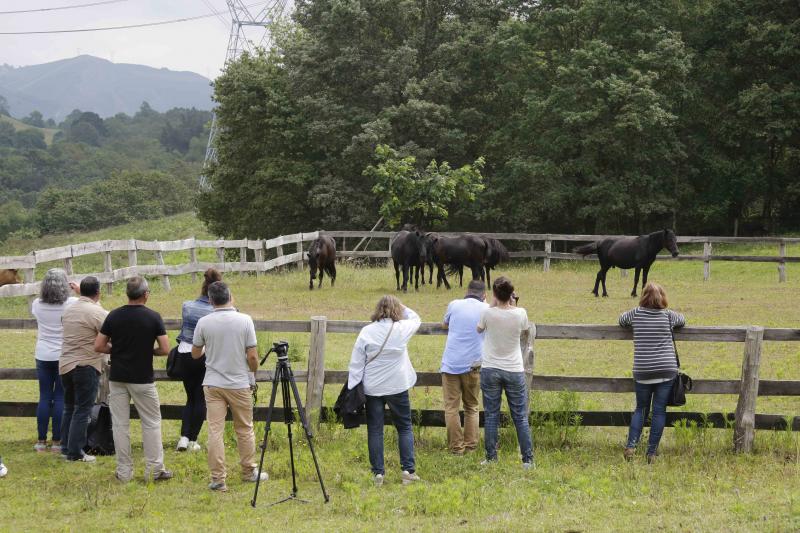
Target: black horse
[458,252]
[408,254]
[322,254]
[629,252]
[430,256]
[496,253]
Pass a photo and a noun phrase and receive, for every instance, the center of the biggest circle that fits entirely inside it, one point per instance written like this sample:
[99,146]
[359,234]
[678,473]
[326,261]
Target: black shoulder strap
[674,346]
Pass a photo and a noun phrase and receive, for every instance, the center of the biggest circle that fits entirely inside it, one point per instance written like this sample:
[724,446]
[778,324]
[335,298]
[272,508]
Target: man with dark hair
[128,334]
[231,351]
[80,367]
[460,369]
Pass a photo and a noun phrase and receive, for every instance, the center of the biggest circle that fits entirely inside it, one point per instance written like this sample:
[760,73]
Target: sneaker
[486,462]
[193,446]
[86,458]
[40,447]
[56,448]
[528,465]
[3,469]
[218,486]
[651,458]
[183,444]
[163,475]
[628,453]
[254,477]
[121,480]
[409,477]
[378,480]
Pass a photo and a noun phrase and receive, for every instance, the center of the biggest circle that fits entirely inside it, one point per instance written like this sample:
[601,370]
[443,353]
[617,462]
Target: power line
[61,7]
[128,26]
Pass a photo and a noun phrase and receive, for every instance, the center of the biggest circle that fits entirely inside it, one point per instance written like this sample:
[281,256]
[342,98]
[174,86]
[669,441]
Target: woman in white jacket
[380,359]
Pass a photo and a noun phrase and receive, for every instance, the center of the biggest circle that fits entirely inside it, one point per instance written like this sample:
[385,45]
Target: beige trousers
[240,402]
[145,398]
[458,389]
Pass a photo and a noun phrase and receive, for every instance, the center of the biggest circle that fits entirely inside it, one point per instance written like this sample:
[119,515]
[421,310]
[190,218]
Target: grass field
[18,125]
[580,483]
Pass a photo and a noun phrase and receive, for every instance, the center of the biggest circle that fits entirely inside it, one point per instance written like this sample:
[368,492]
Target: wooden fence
[258,248]
[745,419]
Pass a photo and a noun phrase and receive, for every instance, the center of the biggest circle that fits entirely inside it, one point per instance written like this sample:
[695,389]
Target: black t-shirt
[133,330]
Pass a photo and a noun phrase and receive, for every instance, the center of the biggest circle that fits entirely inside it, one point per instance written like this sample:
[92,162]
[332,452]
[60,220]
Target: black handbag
[174,367]
[681,383]
[351,402]
[99,435]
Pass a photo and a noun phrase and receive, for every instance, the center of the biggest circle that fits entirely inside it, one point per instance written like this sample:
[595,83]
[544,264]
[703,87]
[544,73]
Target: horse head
[671,242]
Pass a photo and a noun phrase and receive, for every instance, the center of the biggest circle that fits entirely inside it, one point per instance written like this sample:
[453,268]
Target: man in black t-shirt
[130,334]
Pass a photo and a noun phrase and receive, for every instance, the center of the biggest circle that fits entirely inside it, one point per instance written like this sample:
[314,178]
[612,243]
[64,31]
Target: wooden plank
[56,254]
[108,269]
[548,247]
[782,264]
[160,262]
[259,260]
[20,289]
[744,428]
[706,261]
[359,253]
[242,259]
[301,254]
[193,261]
[68,266]
[316,369]
[18,262]
[257,244]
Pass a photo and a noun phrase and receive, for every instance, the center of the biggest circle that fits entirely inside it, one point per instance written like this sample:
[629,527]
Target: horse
[460,251]
[497,253]
[322,254]
[408,254]
[629,252]
[9,277]
[427,242]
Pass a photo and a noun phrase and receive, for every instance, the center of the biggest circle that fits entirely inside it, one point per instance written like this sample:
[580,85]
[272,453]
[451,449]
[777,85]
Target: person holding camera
[461,362]
[231,352]
[502,369]
[380,360]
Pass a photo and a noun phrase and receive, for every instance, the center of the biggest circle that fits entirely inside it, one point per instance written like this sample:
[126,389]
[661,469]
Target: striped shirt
[653,350]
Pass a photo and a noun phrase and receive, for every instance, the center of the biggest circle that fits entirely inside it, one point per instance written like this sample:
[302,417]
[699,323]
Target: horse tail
[586,249]
[452,270]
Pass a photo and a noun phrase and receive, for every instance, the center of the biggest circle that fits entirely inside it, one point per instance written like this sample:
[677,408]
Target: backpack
[99,436]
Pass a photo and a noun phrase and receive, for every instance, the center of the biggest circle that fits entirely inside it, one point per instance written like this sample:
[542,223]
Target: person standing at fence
[80,367]
[193,370]
[380,361]
[231,352]
[48,308]
[129,334]
[502,369]
[654,365]
[460,368]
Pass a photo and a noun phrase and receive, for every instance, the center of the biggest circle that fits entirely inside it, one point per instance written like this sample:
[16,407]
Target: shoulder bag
[682,382]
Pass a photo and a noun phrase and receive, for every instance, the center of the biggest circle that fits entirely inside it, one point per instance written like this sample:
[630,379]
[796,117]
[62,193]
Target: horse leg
[430,275]
[397,274]
[645,271]
[488,277]
[422,267]
[311,282]
[332,274]
[405,278]
[597,282]
[605,273]
[321,272]
[415,275]
[636,280]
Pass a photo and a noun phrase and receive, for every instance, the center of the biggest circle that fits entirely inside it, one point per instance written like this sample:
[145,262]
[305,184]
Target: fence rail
[745,420]
[259,247]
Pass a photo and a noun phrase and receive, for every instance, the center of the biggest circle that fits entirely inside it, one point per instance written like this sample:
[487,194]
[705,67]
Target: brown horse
[9,277]
[322,255]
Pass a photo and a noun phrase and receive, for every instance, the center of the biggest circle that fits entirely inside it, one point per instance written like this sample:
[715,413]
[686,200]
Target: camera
[281,350]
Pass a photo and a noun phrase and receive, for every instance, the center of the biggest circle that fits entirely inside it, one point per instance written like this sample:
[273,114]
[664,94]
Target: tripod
[284,376]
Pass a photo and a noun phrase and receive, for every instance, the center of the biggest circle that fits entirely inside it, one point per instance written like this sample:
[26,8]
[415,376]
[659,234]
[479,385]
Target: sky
[198,45]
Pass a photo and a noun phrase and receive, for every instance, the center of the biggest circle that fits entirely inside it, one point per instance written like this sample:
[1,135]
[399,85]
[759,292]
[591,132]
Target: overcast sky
[198,46]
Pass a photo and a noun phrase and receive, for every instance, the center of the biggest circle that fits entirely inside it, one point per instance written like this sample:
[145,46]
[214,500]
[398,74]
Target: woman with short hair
[193,370]
[48,308]
[380,359]
[654,364]
[502,369]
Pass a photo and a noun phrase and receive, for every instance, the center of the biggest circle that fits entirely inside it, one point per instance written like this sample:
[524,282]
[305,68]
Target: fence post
[744,427]
[68,263]
[299,262]
[260,259]
[782,264]
[160,261]
[315,384]
[133,255]
[548,247]
[29,276]
[193,259]
[108,268]
[526,340]
[706,261]
[242,259]
[221,257]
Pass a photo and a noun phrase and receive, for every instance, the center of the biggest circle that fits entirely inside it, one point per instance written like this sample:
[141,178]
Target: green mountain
[94,84]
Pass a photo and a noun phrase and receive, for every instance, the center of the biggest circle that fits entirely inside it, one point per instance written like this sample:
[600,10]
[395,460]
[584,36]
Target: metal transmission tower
[248,32]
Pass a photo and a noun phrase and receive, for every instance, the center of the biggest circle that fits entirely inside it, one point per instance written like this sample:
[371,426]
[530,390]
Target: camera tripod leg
[267,427]
[309,437]
[288,417]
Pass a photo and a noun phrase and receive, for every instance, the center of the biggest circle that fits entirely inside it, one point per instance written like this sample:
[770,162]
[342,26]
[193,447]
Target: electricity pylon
[249,30]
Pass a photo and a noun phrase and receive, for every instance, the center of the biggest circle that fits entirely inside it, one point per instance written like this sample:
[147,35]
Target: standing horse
[629,252]
[458,252]
[497,253]
[408,254]
[322,254]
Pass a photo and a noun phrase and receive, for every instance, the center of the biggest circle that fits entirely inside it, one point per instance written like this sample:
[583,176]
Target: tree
[34,119]
[7,134]
[4,108]
[422,197]
[29,139]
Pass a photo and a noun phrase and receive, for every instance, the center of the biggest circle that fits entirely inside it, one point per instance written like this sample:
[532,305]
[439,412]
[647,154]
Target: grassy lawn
[580,483]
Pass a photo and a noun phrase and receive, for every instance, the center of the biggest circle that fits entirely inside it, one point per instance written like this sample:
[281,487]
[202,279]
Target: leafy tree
[29,139]
[178,132]
[4,108]
[422,197]
[7,134]
[34,119]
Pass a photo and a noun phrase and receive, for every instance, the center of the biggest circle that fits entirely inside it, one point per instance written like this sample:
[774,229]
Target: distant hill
[48,132]
[93,84]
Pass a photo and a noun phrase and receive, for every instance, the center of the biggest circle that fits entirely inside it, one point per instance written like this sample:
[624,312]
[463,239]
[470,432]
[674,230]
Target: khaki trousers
[145,398]
[458,389]
[240,402]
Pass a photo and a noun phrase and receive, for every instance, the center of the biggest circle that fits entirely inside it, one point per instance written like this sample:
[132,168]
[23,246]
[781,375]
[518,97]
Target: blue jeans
[51,399]
[657,394]
[493,382]
[80,392]
[400,407]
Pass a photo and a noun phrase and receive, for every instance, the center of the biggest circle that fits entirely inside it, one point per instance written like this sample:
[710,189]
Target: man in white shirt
[460,369]
[231,351]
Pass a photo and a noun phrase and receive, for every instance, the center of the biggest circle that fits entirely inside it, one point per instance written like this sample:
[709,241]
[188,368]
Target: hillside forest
[89,172]
[590,116]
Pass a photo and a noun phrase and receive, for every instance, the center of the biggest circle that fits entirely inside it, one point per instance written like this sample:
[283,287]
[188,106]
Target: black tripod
[284,376]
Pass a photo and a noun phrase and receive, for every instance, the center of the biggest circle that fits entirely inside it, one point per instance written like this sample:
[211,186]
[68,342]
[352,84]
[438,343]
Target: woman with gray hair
[47,308]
